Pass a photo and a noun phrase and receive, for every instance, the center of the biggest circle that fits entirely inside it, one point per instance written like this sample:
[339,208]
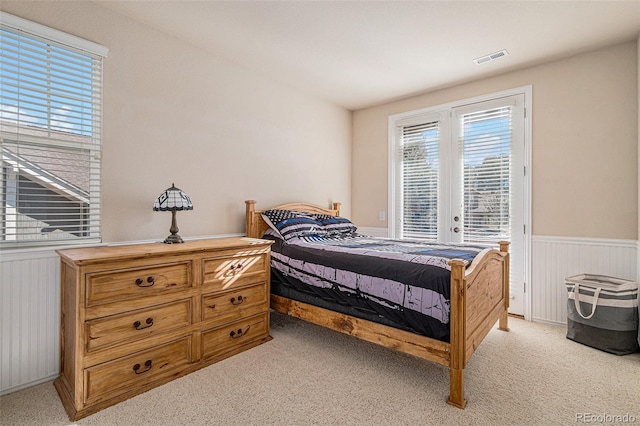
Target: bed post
[336,207]
[503,323]
[249,229]
[457,321]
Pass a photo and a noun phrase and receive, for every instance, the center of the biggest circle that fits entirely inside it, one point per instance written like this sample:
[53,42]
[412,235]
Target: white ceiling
[361,53]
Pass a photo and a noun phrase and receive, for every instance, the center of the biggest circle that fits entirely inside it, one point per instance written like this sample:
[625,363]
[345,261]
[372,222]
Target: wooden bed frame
[479,298]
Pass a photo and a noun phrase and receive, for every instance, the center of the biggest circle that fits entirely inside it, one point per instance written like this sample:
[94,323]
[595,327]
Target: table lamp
[173,199]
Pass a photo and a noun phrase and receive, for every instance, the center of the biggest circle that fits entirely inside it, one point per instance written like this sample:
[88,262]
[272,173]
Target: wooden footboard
[479,299]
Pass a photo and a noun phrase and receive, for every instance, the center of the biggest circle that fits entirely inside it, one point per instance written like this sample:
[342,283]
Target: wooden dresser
[137,316]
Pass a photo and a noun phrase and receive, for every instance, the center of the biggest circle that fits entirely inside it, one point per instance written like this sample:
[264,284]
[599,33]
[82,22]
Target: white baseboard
[28,384]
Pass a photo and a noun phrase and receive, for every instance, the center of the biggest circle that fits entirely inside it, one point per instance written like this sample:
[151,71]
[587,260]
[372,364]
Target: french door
[458,176]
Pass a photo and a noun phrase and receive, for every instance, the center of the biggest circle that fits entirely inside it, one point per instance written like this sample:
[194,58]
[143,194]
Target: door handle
[456,219]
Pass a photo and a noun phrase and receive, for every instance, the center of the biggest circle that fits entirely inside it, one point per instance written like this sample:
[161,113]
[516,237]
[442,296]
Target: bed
[477,291]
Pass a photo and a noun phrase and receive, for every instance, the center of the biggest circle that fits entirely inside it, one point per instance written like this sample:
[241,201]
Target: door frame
[437,109]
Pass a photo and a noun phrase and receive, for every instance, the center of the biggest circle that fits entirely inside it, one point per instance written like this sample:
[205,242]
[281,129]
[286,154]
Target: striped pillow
[290,224]
[336,224]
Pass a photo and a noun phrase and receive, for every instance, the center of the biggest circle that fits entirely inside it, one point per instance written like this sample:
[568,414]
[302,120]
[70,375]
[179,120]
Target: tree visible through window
[419,174]
[485,139]
[50,137]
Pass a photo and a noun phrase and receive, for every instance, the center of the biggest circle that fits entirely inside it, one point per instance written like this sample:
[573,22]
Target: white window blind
[50,135]
[418,210]
[485,144]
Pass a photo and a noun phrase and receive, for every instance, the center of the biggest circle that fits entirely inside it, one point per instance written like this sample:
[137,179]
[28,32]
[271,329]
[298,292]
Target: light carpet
[531,375]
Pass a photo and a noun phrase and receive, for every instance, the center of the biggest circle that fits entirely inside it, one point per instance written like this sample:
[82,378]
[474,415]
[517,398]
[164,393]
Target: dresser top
[88,255]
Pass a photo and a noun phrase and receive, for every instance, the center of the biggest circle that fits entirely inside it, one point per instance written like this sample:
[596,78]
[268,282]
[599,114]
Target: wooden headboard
[256,226]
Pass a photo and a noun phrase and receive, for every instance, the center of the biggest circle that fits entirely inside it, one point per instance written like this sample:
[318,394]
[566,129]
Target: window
[50,135]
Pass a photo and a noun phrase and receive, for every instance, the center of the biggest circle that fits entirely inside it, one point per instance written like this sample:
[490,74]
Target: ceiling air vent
[491,57]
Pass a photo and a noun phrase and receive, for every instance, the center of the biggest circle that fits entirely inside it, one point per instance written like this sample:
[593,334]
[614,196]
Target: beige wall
[223,134]
[584,147]
[174,113]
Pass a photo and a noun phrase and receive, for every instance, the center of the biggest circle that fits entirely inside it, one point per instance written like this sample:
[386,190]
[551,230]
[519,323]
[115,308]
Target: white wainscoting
[638,260]
[555,258]
[30,315]
[29,318]
[30,297]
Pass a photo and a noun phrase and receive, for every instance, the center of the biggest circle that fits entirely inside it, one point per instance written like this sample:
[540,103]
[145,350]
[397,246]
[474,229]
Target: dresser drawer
[108,287]
[115,377]
[117,329]
[235,304]
[228,338]
[228,272]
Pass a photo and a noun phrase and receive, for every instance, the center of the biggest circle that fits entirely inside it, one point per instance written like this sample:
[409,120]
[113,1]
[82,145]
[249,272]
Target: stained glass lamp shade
[173,199]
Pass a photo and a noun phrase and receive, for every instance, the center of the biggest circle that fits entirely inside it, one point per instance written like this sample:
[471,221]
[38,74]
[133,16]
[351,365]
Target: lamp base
[173,239]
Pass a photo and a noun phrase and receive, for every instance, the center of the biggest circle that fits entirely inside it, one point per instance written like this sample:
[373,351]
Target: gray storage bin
[602,312]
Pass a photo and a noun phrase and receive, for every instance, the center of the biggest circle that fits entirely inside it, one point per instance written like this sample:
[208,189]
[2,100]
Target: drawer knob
[149,282]
[147,364]
[235,269]
[237,301]
[238,334]
[138,325]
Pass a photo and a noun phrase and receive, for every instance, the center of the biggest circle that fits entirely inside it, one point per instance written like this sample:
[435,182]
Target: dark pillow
[336,224]
[290,224]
